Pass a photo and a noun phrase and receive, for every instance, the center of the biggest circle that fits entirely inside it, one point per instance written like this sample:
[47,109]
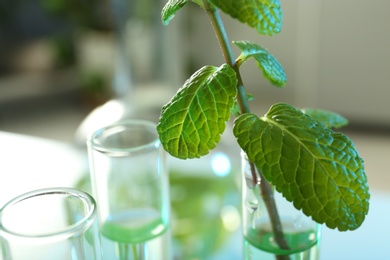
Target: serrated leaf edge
[249,52]
[205,82]
[252,157]
[170,9]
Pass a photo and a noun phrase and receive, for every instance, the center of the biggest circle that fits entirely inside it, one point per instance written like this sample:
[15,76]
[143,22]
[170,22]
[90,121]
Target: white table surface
[28,163]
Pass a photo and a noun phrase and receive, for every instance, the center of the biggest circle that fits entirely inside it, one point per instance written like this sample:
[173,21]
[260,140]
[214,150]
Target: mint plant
[295,150]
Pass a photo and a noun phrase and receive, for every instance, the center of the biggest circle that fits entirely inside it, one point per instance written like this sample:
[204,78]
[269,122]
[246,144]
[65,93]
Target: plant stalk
[266,189]
[269,201]
[227,52]
[220,32]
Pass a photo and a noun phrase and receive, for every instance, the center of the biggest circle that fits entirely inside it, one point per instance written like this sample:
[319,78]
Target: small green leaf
[170,9]
[272,69]
[192,122]
[330,119]
[317,169]
[264,15]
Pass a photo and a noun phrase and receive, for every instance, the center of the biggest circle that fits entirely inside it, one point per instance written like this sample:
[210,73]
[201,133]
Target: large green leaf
[317,169]
[272,69]
[170,9]
[264,15]
[330,119]
[192,122]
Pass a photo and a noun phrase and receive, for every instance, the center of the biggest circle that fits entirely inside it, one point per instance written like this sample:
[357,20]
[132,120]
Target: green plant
[296,151]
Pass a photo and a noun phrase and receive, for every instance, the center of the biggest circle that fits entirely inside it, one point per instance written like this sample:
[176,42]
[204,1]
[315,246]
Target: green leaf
[264,15]
[192,122]
[272,69]
[330,119]
[170,9]
[317,169]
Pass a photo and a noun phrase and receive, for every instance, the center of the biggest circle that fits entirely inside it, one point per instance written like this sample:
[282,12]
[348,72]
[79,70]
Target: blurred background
[65,64]
[57,60]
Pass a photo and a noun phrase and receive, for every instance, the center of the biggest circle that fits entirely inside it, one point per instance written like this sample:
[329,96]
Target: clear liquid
[262,245]
[133,233]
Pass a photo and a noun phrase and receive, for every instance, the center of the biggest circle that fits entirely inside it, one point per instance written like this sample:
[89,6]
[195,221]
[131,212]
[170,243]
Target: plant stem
[266,189]
[227,52]
[269,200]
[220,32]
